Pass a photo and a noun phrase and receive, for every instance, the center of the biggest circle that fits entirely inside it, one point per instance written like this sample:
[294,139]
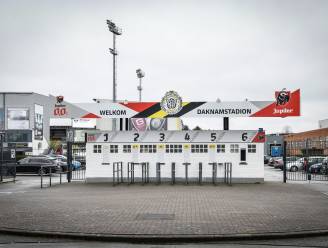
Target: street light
[140,75]
[116,31]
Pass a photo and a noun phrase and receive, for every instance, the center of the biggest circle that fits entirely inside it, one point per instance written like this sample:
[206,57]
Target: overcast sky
[204,50]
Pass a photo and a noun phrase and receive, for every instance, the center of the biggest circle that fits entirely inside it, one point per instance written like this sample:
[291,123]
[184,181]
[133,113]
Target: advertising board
[18,118]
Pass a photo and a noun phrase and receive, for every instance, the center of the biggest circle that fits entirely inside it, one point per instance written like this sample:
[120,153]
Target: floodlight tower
[116,31]
[140,75]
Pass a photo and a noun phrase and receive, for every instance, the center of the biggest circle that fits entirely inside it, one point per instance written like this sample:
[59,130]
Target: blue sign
[276,151]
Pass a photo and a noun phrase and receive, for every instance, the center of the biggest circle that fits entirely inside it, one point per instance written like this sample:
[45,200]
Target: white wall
[253,171]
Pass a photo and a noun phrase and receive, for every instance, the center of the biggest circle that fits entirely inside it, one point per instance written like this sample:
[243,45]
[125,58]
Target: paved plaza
[163,210]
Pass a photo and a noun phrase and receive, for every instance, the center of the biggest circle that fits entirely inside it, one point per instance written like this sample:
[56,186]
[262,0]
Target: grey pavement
[164,210]
[12,241]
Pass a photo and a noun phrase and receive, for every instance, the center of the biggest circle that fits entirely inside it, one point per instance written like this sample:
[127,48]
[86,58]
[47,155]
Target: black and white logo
[282,97]
[171,103]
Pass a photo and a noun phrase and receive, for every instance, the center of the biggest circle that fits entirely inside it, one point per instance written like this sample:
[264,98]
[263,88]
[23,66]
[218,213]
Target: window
[220,148]
[96,148]
[251,148]
[199,148]
[173,148]
[234,148]
[113,149]
[148,149]
[126,148]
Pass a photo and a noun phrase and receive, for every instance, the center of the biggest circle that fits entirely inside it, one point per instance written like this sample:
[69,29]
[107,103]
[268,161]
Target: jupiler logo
[171,103]
[282,97]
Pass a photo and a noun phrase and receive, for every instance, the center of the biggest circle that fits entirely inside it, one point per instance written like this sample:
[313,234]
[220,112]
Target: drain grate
[152,216]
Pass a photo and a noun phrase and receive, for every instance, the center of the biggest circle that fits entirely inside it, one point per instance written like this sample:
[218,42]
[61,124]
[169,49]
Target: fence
[306,160]
[7,171]
[132,167]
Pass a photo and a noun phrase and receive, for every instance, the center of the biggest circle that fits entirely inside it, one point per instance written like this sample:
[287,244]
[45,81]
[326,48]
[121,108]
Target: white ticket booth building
[244,149]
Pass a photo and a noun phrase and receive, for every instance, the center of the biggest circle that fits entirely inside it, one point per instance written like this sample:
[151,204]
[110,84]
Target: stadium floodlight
[116,31]
[140,75]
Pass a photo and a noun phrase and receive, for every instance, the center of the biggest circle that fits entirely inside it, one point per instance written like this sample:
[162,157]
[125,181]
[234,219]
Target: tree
[287,129]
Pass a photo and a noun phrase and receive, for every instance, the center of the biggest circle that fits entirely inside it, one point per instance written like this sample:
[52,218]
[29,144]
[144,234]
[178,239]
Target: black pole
[284,160]
[225,123]
[1,146]
[69,161]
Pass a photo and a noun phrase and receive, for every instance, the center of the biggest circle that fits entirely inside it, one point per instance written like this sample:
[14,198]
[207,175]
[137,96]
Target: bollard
[50,176]
[200,177]
[172,173]
[41,177]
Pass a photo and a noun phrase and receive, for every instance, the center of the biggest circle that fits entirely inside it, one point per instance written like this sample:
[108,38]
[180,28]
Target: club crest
[59,99]
[171,103]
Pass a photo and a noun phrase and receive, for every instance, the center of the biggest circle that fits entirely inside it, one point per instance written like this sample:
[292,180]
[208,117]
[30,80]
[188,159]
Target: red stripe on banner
[90,115]
[291,108]
[138,106]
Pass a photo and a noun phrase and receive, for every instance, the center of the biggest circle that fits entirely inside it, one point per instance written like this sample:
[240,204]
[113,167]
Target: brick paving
[166,210]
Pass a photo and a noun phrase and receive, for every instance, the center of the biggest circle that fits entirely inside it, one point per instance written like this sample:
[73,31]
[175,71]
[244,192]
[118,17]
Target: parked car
[300,164]
[273,160]
[296,165]
[266,159]
[62,161]
[320,167]
[37,165]
[278,163]
[324,167]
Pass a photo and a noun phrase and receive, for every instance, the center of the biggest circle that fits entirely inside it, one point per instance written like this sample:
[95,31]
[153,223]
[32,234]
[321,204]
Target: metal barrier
[7,171]
[200,175]
[49,172]
[78,174]
[144,172]
[304,161]
[172,173]
[158,172]
[214,172]
[117,173]
[228,173]
[186,164]
[76,154]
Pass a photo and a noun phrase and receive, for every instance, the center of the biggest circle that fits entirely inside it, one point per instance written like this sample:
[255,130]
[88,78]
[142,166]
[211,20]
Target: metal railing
[305,161]
[7,171]
[224,177]
[50,171]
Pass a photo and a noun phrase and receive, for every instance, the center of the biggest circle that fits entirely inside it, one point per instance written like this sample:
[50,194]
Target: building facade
[313,142]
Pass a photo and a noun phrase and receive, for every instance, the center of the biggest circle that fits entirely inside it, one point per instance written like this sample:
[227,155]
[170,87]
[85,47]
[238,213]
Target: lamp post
[140,75]
[116,31]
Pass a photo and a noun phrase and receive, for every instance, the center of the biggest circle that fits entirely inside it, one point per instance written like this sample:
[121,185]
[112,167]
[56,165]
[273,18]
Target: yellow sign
[135,146]
[186,146]
[161,146]
[212,146]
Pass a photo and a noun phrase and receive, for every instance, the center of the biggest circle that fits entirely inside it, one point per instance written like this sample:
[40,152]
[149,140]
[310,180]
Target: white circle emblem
[171,103]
